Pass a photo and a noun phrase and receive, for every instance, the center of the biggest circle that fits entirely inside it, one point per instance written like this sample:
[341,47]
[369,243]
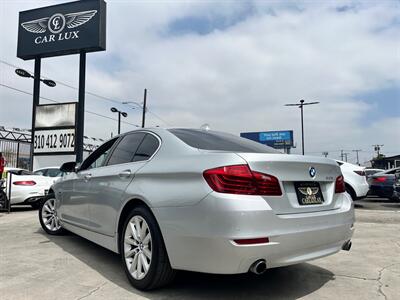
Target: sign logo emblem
[312,172]
[309,191]
[310,195]
[57,22]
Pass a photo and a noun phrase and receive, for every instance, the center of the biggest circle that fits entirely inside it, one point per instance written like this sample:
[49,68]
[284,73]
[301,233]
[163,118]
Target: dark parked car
[381,184]
[370,172]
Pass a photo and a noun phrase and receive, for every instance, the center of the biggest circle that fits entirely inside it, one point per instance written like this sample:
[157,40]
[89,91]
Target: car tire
[143,254]
[48,216]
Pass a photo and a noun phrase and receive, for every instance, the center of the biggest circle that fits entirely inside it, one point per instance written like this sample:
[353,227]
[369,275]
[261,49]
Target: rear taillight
[380,179]
[339,185]
[361,173]
[24,182]
[252,241]
[239,179]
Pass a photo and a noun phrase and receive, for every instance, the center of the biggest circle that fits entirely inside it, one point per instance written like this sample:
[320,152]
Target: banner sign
[55,129]
[62,29]
[276,139]
[55,115]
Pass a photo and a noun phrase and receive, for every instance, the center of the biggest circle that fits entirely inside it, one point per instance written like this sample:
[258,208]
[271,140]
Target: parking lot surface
[34,265]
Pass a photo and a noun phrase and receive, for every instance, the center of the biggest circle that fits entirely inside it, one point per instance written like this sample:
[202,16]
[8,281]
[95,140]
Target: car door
[110,182]
[75,192]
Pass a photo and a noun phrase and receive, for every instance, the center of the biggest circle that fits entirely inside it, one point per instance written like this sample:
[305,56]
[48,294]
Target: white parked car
[355,180]
[27,188]
[54,172]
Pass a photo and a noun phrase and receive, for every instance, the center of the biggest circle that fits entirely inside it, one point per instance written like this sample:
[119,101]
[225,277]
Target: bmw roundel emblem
[312,172]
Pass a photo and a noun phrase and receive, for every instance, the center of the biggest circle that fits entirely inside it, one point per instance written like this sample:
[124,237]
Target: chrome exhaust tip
[347,245]
[259,267]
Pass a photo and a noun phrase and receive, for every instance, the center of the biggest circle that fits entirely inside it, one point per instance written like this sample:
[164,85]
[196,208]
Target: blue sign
[274,139]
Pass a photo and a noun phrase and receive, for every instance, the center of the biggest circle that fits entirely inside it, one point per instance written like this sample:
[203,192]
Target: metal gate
[15,145]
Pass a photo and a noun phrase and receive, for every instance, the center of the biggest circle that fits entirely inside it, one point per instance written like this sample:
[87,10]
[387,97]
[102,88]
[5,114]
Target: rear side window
[39,172]
[54,173]
[219,141]
[147,148]
[126,149]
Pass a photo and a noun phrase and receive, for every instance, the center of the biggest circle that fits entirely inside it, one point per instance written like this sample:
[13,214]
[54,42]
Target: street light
[26,74]
[36,97]
[143,107]
[300,105]
[124,114]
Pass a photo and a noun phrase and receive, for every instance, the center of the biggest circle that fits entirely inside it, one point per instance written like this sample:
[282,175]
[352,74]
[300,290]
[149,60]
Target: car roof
[349,165]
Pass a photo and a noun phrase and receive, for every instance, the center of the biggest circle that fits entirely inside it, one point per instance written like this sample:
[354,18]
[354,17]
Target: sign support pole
[144,108]
[36,97]
[81,108]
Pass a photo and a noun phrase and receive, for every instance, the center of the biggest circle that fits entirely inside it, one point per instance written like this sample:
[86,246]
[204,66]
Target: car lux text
[57,37]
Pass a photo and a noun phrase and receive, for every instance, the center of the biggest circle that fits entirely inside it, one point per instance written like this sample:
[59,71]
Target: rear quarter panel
[177,180]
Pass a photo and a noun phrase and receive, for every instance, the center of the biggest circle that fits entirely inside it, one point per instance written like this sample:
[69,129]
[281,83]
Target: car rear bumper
[26,197]
[384,191]
[200,237]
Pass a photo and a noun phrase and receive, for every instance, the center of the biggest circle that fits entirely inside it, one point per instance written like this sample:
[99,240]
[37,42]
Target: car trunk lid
[295,170]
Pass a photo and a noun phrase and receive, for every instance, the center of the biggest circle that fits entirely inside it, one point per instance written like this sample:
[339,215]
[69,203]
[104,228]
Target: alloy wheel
[138,247]
[49,215]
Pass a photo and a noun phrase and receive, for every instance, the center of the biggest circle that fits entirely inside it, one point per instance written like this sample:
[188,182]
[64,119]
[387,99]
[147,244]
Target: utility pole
[345,156]
[377,148]
[300,105]
[341,155]
[356,151]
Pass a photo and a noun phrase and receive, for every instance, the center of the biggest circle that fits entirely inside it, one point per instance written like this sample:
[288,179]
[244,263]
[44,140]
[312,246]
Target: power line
[87,92]
[55,101]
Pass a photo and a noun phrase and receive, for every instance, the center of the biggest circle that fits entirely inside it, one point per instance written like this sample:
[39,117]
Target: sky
[232,65]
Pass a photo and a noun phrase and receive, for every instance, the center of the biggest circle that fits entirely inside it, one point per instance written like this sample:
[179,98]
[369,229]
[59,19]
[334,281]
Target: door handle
[125,173]
[87,176]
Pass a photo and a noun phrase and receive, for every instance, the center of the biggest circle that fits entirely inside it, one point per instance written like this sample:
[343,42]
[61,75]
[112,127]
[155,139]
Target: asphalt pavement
[376,203]
[34,265]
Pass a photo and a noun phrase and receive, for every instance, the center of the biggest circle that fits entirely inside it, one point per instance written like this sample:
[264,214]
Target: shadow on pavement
[282,283]
[393,206]
[19,208]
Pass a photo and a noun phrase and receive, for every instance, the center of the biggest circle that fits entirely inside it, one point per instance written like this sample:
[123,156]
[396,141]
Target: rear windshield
[219,141]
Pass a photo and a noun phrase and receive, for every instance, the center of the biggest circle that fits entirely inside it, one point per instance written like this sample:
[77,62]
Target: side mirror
[68,167]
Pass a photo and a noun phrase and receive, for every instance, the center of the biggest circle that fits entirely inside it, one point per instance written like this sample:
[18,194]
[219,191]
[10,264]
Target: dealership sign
[276,139]
[55,129]
[62,29]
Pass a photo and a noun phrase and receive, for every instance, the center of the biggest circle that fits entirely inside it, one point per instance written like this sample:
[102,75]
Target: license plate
[308,193]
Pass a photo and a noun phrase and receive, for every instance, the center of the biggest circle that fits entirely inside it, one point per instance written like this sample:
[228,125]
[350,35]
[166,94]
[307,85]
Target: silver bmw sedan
[198,200]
